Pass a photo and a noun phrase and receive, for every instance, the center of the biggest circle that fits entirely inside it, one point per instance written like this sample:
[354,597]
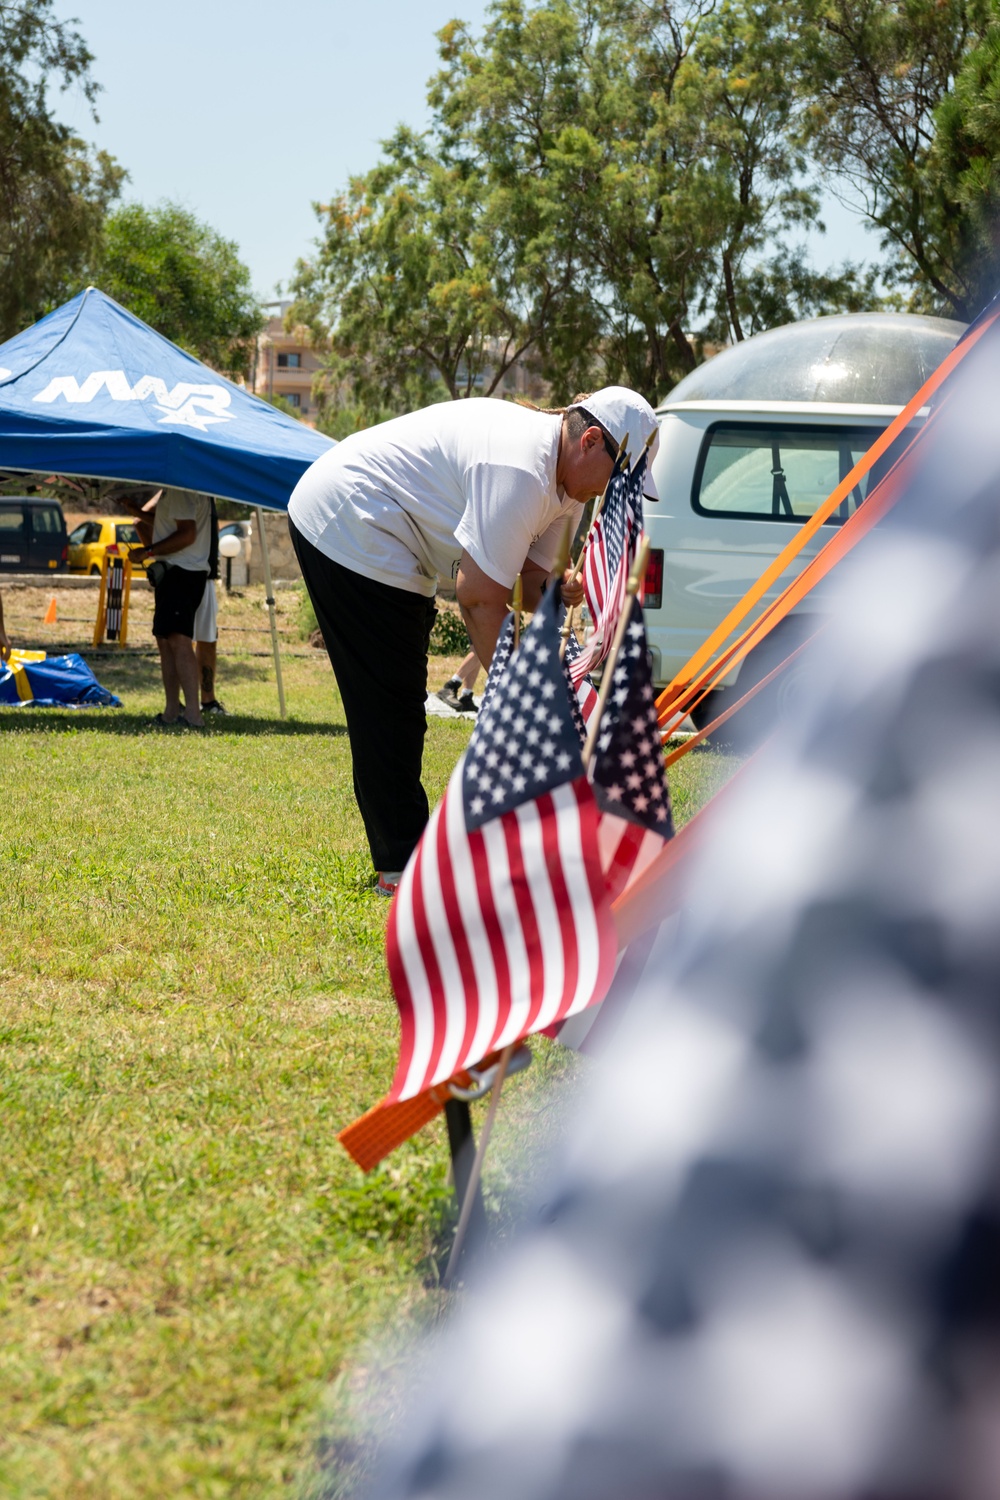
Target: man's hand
[572,593]
[6,646]
[182,537]
[533,581]
[484,602]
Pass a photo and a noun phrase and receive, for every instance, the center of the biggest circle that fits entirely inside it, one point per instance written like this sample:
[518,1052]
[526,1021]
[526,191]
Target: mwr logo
[184,406]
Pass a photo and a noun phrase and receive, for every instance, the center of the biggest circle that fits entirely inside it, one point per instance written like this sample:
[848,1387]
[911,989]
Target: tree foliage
[893,110]
[183,279]
[609,185]
[54,191]
[601,180]
[964,170]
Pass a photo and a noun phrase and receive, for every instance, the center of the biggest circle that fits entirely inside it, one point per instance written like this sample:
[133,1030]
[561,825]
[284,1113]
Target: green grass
[192,1002]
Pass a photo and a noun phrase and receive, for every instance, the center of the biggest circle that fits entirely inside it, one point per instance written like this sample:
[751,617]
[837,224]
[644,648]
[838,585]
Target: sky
[217,105]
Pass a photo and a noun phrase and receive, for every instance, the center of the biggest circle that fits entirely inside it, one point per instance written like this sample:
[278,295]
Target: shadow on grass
[116,721]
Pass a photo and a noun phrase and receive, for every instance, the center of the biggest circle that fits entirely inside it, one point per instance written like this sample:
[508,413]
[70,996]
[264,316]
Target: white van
[750,444]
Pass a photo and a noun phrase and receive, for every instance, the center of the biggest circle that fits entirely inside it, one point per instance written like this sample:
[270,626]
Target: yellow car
[88,541]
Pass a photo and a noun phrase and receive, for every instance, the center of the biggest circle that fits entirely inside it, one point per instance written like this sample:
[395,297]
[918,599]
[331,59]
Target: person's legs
[457,691]
[186,668]
[376,637]
[205,651]
[206,635]
[171,681]
[468,672]
[176,600]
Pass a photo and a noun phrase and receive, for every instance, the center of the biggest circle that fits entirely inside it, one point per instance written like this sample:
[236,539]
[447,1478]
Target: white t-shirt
[185,505]
[399,502]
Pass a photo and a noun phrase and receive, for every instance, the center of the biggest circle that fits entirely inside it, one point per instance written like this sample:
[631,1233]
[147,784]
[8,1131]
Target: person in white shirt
[476,491]
[182,538]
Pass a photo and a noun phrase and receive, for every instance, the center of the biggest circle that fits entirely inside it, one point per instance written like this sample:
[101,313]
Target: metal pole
[472,1189]
[462,1145]
[269,600]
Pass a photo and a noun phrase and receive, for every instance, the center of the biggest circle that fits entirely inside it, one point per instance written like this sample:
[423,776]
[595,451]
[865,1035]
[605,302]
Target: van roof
[811,410]
[878,359]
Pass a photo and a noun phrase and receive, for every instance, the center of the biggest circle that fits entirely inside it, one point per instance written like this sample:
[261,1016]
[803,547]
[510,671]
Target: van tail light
[652,584]
[65,554]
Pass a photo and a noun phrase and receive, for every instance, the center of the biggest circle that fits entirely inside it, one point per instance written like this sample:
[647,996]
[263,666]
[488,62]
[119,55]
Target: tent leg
[269,599]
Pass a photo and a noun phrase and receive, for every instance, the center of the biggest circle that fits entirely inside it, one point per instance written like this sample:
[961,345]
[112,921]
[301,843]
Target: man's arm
[182,537]
[484,602]
[533,580]
[5,643]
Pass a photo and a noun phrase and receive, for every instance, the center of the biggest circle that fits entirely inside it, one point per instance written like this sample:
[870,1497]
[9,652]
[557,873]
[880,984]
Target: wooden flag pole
[566,632]
[631,589]
[477,1166]
[516,606]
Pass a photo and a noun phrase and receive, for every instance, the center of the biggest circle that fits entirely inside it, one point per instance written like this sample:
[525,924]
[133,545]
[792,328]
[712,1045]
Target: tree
[54,191]
[965,170]
[656,135]
[182,279]
[878,79]
[601,180]
[428,281]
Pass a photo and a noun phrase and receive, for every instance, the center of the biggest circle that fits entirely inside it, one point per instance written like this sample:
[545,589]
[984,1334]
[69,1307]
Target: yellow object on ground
[17,663]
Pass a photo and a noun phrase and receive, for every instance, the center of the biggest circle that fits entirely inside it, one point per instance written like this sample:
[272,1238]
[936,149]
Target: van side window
[758,472]
[11,519]
[46,520]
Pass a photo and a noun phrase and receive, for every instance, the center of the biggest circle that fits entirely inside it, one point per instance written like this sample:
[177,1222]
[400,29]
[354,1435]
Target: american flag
[502,653]
[608,556]
[628,774]
[583,688]
[501,925]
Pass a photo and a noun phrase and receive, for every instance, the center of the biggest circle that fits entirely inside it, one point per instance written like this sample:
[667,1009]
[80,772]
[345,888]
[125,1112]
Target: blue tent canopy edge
[92,391]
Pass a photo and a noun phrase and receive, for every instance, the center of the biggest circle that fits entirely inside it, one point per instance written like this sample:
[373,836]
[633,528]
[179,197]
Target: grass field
[192,1002]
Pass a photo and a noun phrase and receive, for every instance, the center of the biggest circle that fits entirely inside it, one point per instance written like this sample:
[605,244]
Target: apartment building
[284,364]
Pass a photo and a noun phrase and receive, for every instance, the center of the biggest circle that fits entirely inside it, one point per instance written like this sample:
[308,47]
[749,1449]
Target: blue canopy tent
[93,392]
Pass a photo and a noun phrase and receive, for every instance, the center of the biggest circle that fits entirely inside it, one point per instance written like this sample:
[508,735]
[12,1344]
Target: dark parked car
[32,535]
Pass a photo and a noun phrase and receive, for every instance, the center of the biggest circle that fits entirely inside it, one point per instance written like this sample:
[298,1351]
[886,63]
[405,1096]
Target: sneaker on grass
[461,702]
[449,695]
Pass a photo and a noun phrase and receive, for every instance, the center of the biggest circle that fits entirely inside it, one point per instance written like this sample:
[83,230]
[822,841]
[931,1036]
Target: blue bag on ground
[55,682]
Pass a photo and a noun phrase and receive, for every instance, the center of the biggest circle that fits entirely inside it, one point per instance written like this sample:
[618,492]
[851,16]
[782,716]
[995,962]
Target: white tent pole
[269,599]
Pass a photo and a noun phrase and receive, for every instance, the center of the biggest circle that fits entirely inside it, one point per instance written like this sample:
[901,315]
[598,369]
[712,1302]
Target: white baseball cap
[626,414]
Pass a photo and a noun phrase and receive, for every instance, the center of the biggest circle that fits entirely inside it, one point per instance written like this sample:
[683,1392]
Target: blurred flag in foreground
[501,925]
[768,1263]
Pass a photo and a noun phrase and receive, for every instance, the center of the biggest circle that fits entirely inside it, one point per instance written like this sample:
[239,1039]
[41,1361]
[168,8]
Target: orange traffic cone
[51,617]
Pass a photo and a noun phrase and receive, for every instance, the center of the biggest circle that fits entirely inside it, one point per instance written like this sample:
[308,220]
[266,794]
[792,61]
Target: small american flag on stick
[628,773]
[608,556]
[501,925]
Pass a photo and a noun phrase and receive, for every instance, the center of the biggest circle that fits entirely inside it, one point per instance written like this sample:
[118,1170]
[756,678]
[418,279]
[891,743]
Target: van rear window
[47,520]
[758,472]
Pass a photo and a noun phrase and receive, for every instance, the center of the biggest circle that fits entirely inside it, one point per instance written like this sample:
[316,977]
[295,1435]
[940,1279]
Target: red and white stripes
[496,932]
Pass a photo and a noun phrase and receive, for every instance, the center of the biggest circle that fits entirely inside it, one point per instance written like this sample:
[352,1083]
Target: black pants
[377,638]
